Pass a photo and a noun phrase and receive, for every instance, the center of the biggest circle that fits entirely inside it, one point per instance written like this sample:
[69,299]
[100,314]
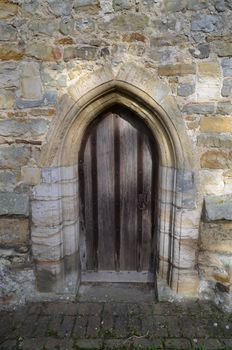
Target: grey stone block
[204,23]
[185,89]
[199,108]
[218,208]
[227,67]
[201,51]
[227,88]
[14,204]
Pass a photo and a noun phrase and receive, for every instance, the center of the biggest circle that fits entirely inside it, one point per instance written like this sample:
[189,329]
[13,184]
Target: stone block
[7,32]
[11,52]
[216,159]
[227,87]
[44,26]
[8,180]
[46,213]
[208,81]
[14,156]
[196,5]
[224,108]
[119,5]
[227,67]
[31,175]
[217,141]
[218,208]
[174,5]
[216,124]
[30,84]
[43,51]
[185,89]
[177,69]
[81,53]
[66,25]
[8,9]
[31,128]
[204,23]
[14,231]
[9,75]
[60,7]
[220,5]
[216,237]
[223,49]
[199,108]
[7,98]
[14,204]
[126,22]
[211,181]
[201,51]
[90,6]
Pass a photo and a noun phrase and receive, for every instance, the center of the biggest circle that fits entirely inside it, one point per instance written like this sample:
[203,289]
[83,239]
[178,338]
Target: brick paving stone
[66,326]
[164,308]
[41,326]
[187,328]
[93,327]
[71,309]
[107,323]
[54,325]
[160,326]
[201,328]
[209,344]
[89,308]
[33,343]
[143,343]
[61,344]
[79,330]
[173,326]
[175,343]
[53,308]
[28,326]
[121,324]
[134,326]
[111,344]
[227,342]
[93,344]
[147,325]
[9,345]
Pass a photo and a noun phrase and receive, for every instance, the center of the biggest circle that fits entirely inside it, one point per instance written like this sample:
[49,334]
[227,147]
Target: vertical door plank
[106,196]
[147,212]
[128,195]
[88,204]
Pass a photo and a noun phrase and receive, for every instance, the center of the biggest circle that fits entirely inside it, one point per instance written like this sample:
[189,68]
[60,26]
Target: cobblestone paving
[116,325]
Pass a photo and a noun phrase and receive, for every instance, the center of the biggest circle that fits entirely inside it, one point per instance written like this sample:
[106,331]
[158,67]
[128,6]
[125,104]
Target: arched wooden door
[118,176]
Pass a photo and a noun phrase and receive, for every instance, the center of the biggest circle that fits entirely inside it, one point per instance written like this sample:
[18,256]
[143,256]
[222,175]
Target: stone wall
[49,46]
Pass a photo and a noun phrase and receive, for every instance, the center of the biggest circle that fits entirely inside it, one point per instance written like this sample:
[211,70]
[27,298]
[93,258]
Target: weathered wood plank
[147,212]
[106,196]
[128,195]
[88,205]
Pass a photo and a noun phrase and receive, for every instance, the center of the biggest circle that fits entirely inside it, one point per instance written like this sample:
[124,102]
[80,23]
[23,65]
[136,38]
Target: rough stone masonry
[48,46]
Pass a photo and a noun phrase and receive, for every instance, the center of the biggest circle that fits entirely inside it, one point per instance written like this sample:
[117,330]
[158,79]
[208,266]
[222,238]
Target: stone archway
[55,230]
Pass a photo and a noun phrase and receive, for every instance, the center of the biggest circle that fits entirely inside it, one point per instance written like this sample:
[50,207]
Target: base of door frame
[117,277]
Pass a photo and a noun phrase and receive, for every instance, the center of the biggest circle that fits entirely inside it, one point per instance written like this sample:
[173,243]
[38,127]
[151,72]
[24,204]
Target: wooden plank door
[118,174]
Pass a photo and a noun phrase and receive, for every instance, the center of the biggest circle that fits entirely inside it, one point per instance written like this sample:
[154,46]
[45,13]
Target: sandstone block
[199,108]
[23,128]
[30,175]
[7,99]
[131,37]
[224,108]
[216,237]
[46,213]
[30,86]
[204,23]
[208,81]
[227,88]
[11,52]
[216,159]
[211,181]
[177,69]
[218,208]
[91,6]
[14,156]
[227,67]
[14,231]
[127,22]
[201,51]
[43,51]
[8,9]
[216,125]
[81,53]
[223,49]
[7,32]
[174,5]
[218,141]
[14,204]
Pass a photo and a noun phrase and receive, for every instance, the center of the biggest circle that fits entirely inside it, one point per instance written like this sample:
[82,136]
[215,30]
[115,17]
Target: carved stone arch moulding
[55,212]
